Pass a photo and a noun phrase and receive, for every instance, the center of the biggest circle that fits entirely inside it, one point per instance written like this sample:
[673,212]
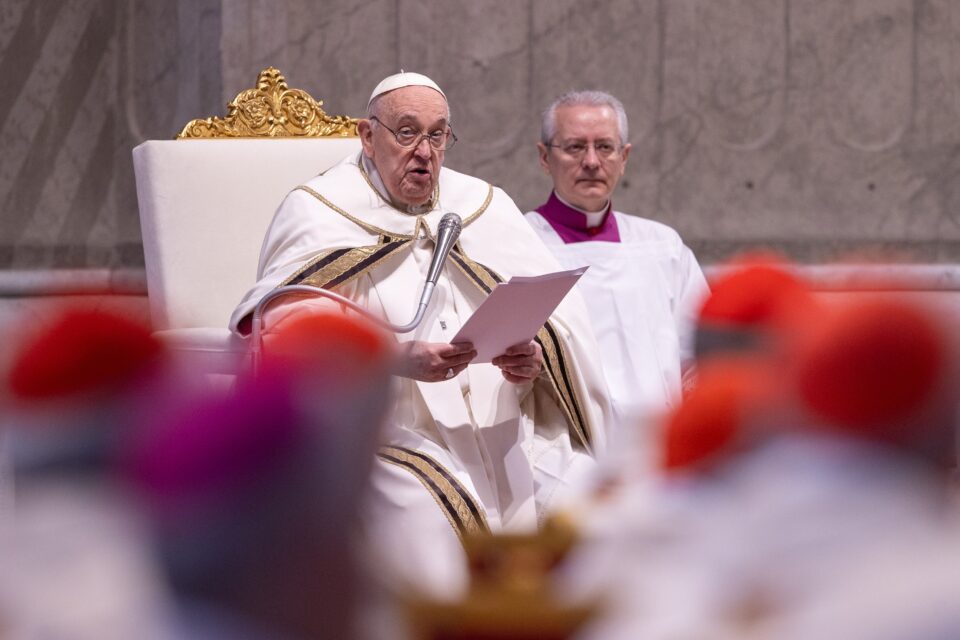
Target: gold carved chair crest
[272,110]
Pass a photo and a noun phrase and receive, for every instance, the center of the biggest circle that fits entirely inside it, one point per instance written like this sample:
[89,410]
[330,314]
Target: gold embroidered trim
[486,203]
[461,510]
[434,199]
[377,231]
[558,374]
[422,226]
[360,223]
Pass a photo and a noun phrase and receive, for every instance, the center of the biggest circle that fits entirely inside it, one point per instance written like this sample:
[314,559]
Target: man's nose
[591,159]
[423,148]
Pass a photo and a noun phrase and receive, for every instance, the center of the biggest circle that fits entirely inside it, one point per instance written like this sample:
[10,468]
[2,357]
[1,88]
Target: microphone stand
[448,230]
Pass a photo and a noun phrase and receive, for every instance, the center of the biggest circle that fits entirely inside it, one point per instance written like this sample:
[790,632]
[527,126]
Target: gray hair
[548,123]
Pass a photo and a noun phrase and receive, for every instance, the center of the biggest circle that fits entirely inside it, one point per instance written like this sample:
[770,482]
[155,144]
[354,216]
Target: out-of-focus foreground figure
[76,557]
[805,480]
[803,490]
[148,508]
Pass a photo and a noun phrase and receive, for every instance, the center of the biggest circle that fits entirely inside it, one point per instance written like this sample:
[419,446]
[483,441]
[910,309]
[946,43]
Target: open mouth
[420,172]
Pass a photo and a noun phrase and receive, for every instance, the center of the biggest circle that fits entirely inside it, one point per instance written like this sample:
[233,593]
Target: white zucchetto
[404,79]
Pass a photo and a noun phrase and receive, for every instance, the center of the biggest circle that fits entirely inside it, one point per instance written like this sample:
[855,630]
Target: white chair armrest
[208,349]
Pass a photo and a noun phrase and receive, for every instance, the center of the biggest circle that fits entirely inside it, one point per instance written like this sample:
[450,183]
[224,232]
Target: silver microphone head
[448,230]
[449,221]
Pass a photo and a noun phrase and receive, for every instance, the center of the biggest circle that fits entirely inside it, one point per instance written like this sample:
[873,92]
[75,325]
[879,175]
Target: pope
[470,447]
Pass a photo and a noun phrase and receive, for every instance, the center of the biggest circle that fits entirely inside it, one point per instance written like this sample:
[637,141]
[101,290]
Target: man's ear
[626,153]
[365,131]
[544,163]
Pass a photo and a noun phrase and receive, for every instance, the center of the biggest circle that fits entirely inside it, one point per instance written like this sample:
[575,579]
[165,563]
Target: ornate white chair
[206,199]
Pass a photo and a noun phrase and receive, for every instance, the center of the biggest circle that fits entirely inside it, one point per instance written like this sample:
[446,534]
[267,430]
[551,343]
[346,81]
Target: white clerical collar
[381,189]
[594,218]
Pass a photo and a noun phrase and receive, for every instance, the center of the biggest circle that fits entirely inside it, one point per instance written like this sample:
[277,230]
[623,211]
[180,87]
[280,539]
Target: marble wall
[818,127]
[84,82]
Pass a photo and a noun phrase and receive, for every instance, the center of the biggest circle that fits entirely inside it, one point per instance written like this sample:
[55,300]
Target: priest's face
[585,158]
[410,174]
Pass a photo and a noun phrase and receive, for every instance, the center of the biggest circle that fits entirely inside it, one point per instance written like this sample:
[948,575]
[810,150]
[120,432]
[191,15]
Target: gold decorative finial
[272,110]
[510,596]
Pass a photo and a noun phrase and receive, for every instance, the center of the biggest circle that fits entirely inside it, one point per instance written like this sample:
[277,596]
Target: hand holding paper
[521,363]
[514,312]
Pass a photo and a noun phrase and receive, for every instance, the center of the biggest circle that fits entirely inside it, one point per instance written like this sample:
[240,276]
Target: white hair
[375,109]
[548,123]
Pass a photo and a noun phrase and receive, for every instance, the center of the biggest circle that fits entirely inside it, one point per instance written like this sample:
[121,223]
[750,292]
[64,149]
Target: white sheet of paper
[514,312]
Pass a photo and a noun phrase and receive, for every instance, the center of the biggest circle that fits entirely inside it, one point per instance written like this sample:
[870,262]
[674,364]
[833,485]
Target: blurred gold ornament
[511,594]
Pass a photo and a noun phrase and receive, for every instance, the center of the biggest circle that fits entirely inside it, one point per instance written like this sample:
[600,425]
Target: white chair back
[204,208]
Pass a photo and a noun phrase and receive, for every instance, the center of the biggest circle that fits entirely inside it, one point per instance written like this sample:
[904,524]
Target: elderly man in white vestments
[470,447]
[644,285]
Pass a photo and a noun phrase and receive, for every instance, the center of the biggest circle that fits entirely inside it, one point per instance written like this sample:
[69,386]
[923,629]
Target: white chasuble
[510,447]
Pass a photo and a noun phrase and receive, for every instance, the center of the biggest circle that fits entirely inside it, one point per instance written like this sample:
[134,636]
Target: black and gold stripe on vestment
[554,355]
[337,267]
[465,515]
[340,266]
[555,358]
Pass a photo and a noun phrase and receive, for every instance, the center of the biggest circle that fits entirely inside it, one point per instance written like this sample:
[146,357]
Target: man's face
[410,174]
[587,181]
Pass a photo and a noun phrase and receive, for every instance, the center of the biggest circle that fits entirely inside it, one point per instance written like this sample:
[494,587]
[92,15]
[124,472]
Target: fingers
[456,354]
[524,349]
[515,379]
[433,362]
[450,359]
[525,372]
[458,360]
[451,350]
[528,354]
[521,363]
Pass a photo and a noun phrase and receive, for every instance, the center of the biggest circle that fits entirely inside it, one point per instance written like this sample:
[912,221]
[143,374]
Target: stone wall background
[822,128]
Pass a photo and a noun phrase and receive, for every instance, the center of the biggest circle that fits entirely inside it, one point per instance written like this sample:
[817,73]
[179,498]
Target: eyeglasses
[409,137]
[604,148]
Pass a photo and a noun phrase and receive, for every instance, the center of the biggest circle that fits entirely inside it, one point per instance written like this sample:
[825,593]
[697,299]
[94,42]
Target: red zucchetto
[330,343]
[871,367]
[730,393]
[752,307]
[82,351]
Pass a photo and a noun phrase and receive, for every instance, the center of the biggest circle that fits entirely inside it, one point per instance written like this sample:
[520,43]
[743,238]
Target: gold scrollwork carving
[272,110]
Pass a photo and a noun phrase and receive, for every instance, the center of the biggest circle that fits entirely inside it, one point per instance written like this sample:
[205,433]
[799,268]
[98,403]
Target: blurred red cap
[729,393]
[756,305]
[871,366]
[325,340]
[82,351]
[758,291]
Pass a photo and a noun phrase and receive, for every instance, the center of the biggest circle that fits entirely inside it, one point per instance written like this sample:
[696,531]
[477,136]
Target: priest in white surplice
[470,447]
[644,285]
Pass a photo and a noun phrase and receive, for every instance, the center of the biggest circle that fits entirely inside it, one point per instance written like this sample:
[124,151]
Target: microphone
[448,230]
[447,233]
